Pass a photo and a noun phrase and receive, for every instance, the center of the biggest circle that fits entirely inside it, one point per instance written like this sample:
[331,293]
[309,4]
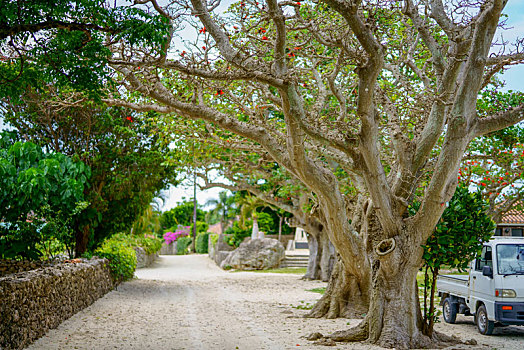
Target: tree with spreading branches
[385,91]
[228,161]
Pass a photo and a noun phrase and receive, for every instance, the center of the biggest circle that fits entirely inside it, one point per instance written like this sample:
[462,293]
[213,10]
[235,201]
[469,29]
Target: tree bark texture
[345,296]
[322,256]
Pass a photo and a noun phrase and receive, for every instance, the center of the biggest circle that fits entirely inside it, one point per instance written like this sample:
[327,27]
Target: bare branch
[499,121]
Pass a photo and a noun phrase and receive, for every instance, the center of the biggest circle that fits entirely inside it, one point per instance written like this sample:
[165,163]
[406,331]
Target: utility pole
[193,244]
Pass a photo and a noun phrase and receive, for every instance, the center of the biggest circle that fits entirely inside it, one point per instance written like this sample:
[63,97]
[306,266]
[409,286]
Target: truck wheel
[484,325]
[449,311]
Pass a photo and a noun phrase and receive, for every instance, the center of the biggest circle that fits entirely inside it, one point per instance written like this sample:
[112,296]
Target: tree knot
[385,247]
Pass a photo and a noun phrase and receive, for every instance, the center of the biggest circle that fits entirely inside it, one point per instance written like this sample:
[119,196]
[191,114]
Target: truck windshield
[510,259]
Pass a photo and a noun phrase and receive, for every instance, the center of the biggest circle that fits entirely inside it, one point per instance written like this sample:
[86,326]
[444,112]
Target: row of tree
[357,109]
[239,214]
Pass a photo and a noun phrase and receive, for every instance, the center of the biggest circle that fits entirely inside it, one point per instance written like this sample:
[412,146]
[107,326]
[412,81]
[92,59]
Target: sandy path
[187,302]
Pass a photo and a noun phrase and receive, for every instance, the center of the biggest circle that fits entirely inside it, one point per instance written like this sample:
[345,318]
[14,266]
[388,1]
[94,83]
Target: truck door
[482,288]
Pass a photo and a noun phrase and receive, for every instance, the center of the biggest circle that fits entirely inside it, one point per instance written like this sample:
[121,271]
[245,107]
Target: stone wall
[220,250]
[34,301]
[168,249]
[8,267]
[143,259]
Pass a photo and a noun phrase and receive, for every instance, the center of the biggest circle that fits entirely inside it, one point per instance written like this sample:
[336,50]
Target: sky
[514,78]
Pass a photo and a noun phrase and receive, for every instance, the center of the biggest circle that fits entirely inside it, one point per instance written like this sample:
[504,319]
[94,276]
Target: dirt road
[187,302]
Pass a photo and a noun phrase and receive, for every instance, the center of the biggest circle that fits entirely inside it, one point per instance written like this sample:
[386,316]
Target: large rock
[219,250]
[220,256]
[256,254]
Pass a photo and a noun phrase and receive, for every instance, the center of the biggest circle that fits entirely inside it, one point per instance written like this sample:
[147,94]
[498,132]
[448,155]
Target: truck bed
[453,284]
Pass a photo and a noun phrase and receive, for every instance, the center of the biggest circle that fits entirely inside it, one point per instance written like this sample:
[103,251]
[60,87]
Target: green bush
[238,234]
[202,243]
[151,245]
[119,250]
[214,238]
[182,245]
[121,256]
[265,223]
[201,227]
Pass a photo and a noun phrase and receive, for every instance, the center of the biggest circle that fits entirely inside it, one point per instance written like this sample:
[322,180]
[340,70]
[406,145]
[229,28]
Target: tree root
[358,333]
[330,308]
[319,339]
[441,340]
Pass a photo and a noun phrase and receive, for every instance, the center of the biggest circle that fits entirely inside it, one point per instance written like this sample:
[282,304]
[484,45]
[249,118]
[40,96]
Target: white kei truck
[493,291]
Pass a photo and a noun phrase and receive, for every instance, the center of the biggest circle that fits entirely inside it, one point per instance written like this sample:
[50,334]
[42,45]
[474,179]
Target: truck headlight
[505,293]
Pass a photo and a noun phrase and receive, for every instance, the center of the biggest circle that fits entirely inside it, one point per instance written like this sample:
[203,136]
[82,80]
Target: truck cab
[494,290]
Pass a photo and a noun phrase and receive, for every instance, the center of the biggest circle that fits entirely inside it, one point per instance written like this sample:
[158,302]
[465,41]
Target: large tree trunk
[328,257]
[322,256]
[394,318]
[345,296]
[315,253]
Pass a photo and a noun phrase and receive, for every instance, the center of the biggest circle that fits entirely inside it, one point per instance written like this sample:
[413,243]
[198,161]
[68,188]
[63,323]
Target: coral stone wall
[143,259]
[34,301]
[8,267]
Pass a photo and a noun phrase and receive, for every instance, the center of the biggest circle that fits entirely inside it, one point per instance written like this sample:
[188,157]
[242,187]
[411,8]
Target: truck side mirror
[487,271]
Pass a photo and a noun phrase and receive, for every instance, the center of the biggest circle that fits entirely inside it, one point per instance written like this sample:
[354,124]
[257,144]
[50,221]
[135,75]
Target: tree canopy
[65,42]
[126,158]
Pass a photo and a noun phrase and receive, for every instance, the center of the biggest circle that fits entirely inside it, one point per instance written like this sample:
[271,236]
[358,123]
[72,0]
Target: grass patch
[320,290]
[302,305]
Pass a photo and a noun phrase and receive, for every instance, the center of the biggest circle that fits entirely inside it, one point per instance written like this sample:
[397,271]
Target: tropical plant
[224,208]
[181,231]
[148,222]
[41,194]
[248,205]
[237,233]
[465,225]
